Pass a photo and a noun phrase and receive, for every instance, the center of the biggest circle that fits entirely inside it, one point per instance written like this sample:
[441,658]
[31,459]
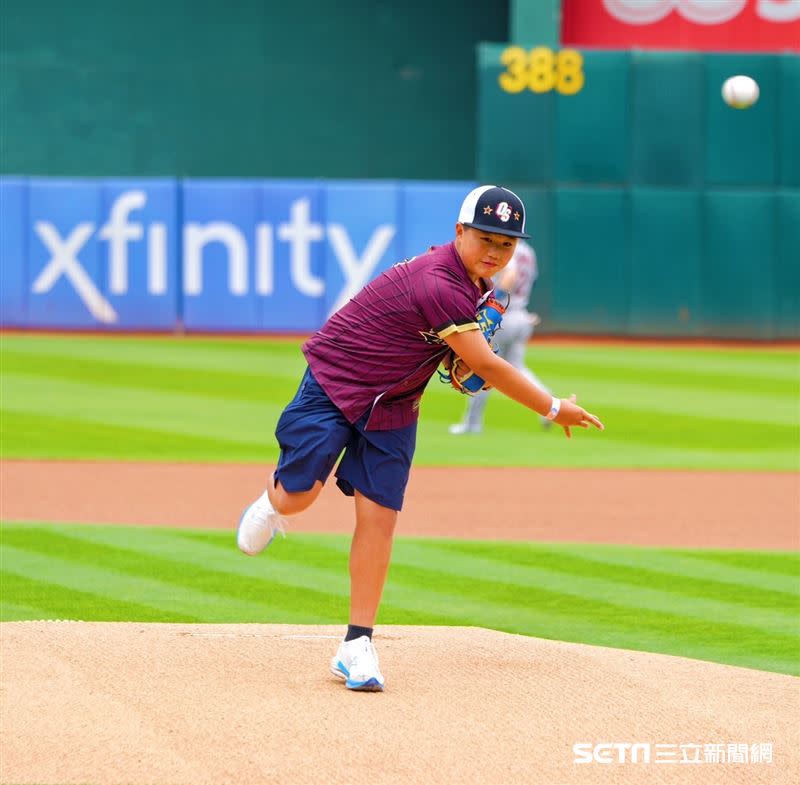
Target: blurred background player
[516,282]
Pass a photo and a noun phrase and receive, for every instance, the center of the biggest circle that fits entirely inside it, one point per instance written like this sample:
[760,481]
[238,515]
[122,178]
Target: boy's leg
[374,470]
[311,433]
[286,503]
[370,553]
[356,660]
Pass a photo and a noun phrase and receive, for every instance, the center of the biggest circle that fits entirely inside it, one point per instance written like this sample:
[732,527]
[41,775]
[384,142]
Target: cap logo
[503,211]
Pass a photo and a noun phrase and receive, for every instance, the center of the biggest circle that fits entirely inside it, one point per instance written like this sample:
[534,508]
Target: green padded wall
[535,20]
[667,262]
[356,88]
[789,156]
[515,130]
[593,142]
[667,118]
[682,211]
[592,272]
[740,261]
[742,146]
[787,271]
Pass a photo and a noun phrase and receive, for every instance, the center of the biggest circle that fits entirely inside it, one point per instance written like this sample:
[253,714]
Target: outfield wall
[656,208]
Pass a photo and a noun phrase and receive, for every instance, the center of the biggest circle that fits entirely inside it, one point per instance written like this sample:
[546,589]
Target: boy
[368,367]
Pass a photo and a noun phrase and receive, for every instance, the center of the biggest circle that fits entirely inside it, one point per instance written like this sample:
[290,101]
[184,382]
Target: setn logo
[611,752]
[121,230]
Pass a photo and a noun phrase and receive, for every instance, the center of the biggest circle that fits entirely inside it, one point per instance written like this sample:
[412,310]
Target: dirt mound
[200,704]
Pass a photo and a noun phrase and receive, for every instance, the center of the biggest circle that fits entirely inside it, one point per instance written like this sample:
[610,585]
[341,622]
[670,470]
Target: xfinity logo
[121,230]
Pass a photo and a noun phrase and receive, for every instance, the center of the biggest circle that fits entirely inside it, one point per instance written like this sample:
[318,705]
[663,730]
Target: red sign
[708,25]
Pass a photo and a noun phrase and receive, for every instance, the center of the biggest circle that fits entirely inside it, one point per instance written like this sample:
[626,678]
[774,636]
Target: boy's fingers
[594,421]
[566,432]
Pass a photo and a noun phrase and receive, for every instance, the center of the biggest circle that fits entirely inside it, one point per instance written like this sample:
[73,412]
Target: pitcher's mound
[180,704]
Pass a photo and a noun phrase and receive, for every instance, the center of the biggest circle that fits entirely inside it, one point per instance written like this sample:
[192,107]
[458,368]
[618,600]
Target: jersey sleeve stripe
[451,327]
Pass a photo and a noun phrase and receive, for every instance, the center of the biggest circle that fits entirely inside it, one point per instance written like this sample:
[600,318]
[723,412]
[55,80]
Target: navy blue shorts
[312,432]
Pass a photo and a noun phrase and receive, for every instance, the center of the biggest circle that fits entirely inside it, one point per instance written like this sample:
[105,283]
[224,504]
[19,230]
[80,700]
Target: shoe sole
[370,685]
[238,545]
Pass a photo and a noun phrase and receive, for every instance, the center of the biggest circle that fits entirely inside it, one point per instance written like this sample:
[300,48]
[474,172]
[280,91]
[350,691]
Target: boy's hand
[571,414]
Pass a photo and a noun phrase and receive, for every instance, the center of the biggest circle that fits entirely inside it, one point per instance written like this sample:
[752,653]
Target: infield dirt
[646,507]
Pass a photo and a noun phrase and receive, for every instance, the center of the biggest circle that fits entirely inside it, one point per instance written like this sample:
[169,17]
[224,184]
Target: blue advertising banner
[428,214]
[13,251]
[207,255]
[290,264]
[66,277]
[101,253]
[141,240]
[362,237]
[221,255]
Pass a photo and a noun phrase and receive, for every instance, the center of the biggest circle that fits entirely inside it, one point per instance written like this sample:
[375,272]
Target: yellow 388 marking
[541,70]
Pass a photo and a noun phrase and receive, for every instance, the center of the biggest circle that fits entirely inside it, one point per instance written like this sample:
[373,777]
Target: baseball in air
[740,92]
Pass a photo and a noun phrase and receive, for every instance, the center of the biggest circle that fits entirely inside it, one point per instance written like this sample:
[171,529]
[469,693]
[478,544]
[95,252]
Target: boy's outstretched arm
[473,349]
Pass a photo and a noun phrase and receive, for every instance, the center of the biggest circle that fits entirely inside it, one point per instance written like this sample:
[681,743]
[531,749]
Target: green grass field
[128,398]
[218,400]
[725,606]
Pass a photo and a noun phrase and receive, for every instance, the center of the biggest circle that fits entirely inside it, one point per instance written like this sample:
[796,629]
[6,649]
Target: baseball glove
[457,373]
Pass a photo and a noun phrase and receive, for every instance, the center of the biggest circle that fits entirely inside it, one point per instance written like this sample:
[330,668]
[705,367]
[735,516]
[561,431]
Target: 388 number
[541,70]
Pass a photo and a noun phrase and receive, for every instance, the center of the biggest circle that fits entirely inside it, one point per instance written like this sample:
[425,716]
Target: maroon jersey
[379,350]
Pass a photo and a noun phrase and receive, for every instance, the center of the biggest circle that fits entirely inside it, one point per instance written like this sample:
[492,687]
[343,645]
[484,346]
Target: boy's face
[483,253]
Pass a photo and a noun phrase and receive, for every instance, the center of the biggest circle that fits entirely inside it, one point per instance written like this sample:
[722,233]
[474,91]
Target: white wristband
[555,408]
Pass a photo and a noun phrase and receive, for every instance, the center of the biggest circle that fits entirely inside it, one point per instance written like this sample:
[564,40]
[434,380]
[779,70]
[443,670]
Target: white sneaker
[357,663]
[462,427]
[258,526]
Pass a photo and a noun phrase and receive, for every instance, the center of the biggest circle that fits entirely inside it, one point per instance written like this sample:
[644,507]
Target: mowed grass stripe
[243,384]
[711,434]
[757,567]
[691,601]
[432,591]
[699,382]
[309,564]
[255,356]
[668,570]
[11,611]
[32,435]
[776,404]
[650,396]
[739,593]
[54,600]
[233,391]
[764,362]
[690,363]
[778,563]
[168,594]
[223,594]
[186,414]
